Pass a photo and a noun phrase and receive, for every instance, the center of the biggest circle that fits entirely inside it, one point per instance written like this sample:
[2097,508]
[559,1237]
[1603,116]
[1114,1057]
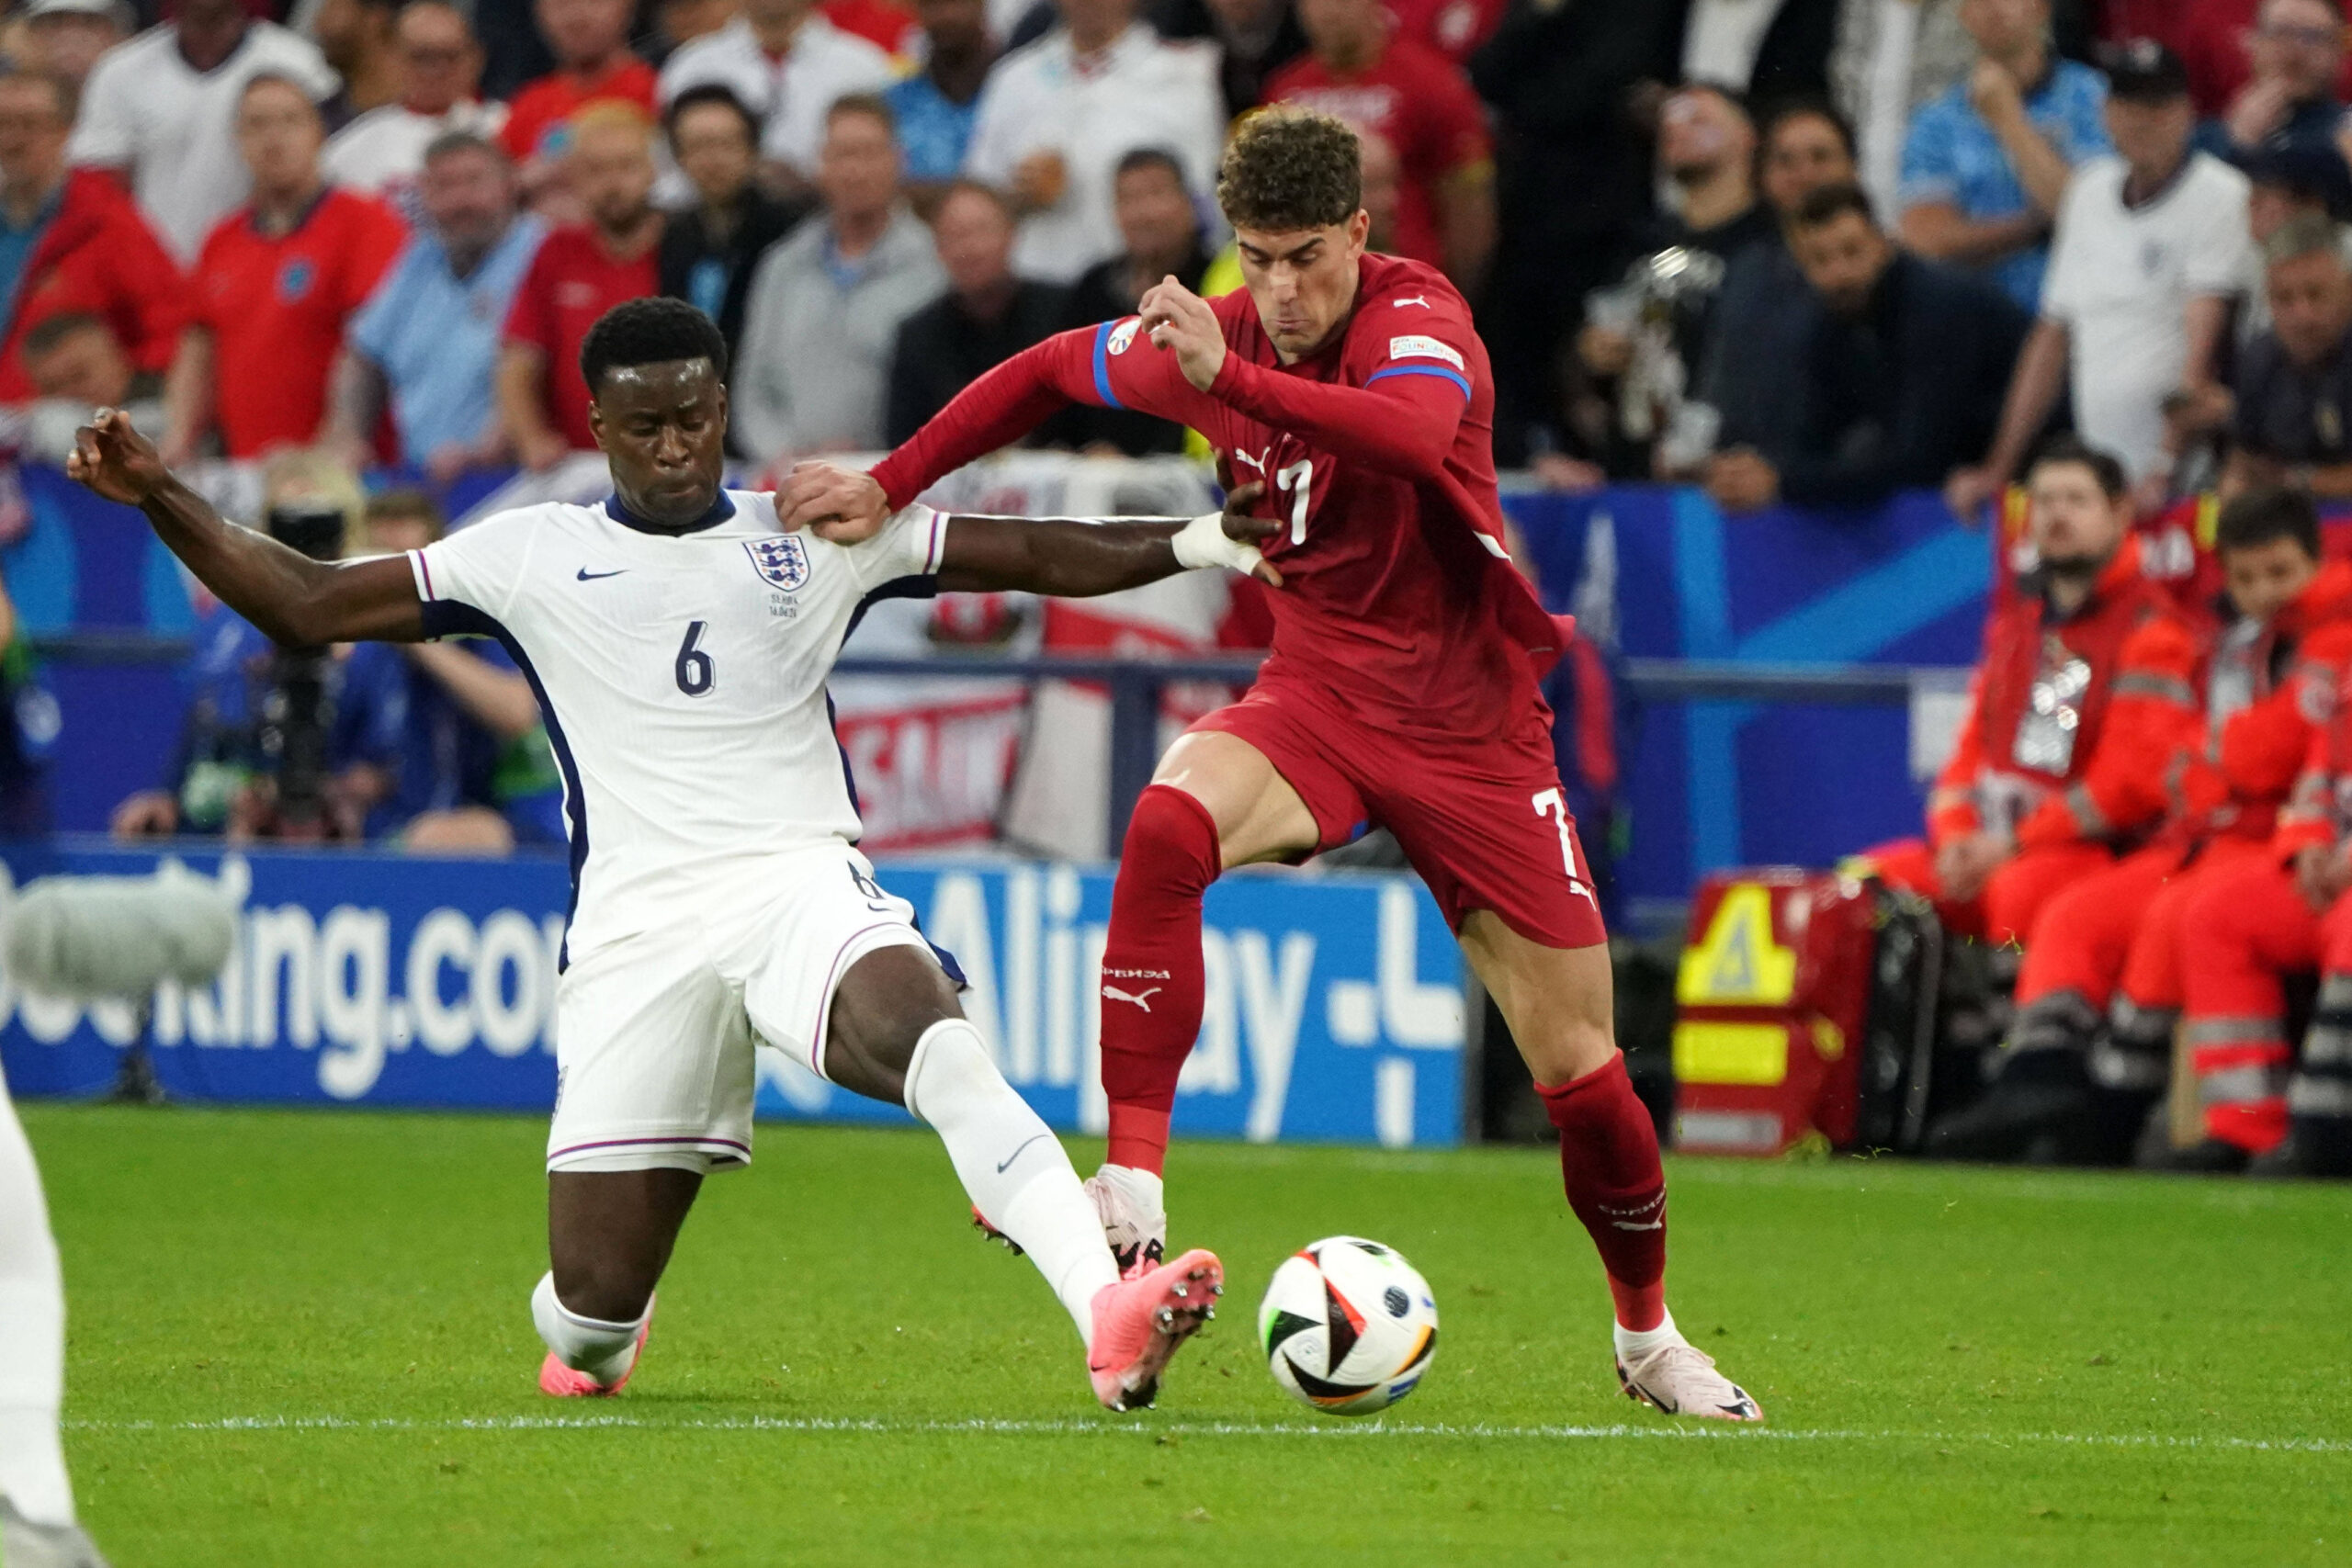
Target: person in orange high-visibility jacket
[2211,741]
[2025,805]
[2251,927]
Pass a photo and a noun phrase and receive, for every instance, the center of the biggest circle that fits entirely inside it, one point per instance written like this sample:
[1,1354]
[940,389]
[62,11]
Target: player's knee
[883,1005]
[1173,840]
[1567,1049]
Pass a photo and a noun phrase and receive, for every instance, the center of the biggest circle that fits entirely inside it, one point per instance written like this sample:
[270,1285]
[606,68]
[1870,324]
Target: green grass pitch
[304,1339]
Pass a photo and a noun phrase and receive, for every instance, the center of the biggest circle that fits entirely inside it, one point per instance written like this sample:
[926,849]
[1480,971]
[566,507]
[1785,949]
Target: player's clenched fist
[1249,532]
[1180,321]
[113,459]
[832,502]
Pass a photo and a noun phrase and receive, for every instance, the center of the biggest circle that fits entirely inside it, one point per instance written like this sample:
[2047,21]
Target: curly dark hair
[1290,168]
[649,332]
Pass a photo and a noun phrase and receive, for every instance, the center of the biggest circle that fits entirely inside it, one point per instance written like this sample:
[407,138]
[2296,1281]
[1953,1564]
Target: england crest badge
[782,561]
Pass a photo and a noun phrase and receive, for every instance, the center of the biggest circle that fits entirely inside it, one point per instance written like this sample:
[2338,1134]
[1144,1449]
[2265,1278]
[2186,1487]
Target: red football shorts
[1485,822]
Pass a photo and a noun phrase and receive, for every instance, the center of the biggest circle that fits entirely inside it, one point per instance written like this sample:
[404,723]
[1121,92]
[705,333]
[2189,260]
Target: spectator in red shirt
[593,64]
[1453,28]
[273,285]
[71,242]
[581,272]
[1360,70]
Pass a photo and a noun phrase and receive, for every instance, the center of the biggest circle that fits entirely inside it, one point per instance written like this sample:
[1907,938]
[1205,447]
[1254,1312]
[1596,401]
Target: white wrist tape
[1202,542]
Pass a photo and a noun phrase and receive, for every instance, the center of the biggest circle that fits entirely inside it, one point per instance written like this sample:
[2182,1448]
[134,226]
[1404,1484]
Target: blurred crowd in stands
[1810,251]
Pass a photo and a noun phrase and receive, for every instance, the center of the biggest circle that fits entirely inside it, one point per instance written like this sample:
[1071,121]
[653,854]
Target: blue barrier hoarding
[1334,1004]
[1719,783]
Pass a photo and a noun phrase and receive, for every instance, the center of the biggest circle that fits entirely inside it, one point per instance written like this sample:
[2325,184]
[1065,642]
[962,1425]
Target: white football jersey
[683,678]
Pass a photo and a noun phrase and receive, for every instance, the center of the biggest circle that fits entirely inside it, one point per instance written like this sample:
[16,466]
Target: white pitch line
[820,1424]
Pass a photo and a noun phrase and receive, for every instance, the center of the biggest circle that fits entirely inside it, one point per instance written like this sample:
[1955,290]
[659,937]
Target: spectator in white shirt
[382,151]
[2150,249]
[162,108]
[1057,117]
[788,65]
[826,304]
[65,37]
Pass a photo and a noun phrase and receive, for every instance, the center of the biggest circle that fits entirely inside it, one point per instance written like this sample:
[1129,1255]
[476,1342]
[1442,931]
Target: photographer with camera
[308,745]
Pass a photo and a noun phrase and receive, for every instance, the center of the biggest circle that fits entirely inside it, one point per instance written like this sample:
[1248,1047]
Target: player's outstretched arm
[1075,560]
[1403,421]
[294,600]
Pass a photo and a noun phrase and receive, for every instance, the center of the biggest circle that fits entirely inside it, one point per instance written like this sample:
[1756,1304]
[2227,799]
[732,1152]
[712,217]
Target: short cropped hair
[2073,450]
[451,143]
[2304,234]
[869,104]
[261,79]
[1149,158]
[1828,204]
[1786,109]
[963,185]
[649,332]
[52,331]
[1289,168]
[716,93]
[407,507]
[617,114]
[2263,515]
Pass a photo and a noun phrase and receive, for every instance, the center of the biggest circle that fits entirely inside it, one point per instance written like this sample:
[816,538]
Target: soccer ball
[1349,1326]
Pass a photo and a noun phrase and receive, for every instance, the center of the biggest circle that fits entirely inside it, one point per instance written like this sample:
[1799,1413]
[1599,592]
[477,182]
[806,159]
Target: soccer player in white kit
[678,642]
[37,1525]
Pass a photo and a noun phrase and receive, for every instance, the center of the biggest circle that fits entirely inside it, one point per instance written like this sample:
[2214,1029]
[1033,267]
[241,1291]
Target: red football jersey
[572,281]
[1419,102]
[1377,453]
[541,111]
[1453,28]
[277,310]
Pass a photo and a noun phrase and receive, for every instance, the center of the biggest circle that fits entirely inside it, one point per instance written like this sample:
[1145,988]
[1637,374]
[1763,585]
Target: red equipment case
[1773,1035]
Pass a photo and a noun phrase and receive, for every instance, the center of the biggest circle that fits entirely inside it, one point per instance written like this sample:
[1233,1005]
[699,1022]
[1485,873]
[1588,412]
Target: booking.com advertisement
[1333,1007]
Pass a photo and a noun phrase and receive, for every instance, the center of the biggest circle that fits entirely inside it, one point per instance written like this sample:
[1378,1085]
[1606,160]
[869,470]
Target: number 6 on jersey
[696,674]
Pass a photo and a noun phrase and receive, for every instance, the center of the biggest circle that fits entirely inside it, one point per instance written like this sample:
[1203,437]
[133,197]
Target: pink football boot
[1140,1322]
[560,1381]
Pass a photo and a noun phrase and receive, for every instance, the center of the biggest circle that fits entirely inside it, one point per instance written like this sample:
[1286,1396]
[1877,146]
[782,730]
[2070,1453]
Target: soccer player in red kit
[1403,688]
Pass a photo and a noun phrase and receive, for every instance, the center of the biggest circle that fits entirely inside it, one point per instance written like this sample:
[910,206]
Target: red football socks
[1609,1158]
[1152,981]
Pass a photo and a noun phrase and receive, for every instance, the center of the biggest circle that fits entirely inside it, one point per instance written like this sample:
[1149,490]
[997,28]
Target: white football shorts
[655,1034]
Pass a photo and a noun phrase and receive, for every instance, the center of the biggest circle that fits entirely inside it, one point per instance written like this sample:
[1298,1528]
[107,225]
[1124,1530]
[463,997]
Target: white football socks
[604,1350]
[32,1306]
[1014,1170]
[1633,1344]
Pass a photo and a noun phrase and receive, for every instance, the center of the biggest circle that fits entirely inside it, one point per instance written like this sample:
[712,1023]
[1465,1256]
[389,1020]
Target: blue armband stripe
[1458,379]
[1103,367]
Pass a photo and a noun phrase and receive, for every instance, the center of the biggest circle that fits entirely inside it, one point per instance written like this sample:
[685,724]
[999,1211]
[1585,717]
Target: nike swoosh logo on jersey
[1421,300]
[1016,1153]
[587,576]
